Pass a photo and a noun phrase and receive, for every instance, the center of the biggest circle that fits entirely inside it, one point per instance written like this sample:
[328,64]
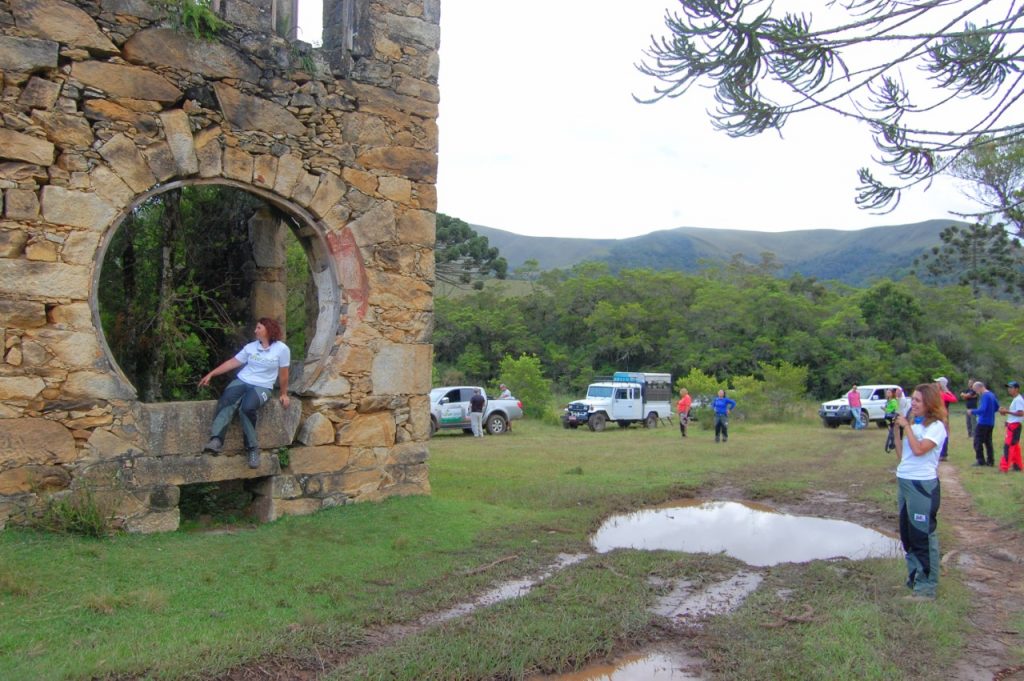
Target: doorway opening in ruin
[311,22]
[188,270]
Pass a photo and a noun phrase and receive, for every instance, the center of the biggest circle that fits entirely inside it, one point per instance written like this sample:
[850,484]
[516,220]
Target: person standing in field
[948,398]
[683,409]
[918,492]
[970,399]
[853,399]
[264,362]
[1014,416]
[722,405]
[988,405]
[476,412]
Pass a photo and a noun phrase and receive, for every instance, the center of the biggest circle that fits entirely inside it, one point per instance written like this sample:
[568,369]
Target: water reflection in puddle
[755,535]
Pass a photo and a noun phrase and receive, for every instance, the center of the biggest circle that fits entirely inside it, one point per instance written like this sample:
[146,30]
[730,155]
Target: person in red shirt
[683,408]
[948,398]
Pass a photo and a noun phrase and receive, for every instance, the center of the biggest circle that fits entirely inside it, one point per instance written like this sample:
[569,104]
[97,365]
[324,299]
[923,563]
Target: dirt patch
[989,555]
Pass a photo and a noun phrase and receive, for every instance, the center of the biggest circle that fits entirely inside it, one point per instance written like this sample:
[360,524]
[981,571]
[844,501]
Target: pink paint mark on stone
[354,281]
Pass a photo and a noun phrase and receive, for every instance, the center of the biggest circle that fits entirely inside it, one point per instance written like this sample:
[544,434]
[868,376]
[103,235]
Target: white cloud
[540,135]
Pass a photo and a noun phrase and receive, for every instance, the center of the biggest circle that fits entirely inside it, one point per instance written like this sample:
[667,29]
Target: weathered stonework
[104,105]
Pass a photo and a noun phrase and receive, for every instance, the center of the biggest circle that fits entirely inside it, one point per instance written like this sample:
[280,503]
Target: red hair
[272,327]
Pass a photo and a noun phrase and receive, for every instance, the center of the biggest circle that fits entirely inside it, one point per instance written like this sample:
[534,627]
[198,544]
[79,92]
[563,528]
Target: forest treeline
[729,321]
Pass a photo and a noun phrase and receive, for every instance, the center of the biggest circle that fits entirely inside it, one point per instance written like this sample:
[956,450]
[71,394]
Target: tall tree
[461,255]
[766,67]
[981,256]
[995,173]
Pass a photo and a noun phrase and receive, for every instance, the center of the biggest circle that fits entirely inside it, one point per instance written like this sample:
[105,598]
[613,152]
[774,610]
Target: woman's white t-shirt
[926,466]
[262,364]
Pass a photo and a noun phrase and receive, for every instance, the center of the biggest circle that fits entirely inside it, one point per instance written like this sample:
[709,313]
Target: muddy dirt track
[990,556]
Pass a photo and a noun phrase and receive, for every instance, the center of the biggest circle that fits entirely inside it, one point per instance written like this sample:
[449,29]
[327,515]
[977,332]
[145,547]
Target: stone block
[161,161]
[64,129]
[416,164]
[104,445]
[78,209]
[238,164]
[80,247]
[35,441]
[190,470]
[373,430]
[305,188]
[322,459]
[397,189]
[71,316]
[403,30]
[179,49]
[354,484]
[22,147]
[110,187]
[408,453]
[101,385]
[209,152]
[375,226]
[328,193]
[279,487]
[417,227]
[184,427]
[245,112]
[317,429]
[152,522]
[264,171]
[289,167]
[268,509]
[63,22]
[365,182]
[20,387]
[22,314]
[39,93]
[34,479]
[130,82]
[402,370]
[27,55]
[178,132]
[21,204]
[128,163]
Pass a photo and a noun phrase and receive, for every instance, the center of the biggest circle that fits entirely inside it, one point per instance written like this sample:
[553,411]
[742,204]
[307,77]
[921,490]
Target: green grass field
[183,605]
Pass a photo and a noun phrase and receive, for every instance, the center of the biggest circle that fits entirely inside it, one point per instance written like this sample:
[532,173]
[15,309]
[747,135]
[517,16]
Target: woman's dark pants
[246,400]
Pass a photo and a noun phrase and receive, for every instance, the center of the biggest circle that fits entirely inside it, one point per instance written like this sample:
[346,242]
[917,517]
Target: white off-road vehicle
[627,397]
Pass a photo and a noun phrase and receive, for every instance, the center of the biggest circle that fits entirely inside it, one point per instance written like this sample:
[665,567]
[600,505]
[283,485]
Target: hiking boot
[214,445]
[254,458]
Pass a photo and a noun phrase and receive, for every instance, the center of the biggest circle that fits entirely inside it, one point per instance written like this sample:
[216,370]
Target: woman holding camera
[918,495]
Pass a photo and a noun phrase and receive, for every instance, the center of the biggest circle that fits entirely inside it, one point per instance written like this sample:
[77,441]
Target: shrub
[78,512]
[526,379]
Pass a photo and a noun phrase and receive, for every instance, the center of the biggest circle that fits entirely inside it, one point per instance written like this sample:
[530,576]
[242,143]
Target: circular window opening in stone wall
[187,272]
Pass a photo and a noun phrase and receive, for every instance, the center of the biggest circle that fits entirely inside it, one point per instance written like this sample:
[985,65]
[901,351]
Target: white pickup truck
[449,408]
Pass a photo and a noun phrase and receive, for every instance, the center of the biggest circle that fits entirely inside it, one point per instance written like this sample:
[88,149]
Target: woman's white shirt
[925,466]
[262,364]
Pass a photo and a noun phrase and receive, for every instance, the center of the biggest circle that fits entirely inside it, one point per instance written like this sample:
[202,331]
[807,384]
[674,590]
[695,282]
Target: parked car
[449,408]
[872,399]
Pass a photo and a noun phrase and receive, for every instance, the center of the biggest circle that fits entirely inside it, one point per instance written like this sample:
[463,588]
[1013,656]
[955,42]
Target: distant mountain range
[853,257]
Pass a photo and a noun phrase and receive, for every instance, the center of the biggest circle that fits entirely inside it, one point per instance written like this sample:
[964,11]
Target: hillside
[854,257]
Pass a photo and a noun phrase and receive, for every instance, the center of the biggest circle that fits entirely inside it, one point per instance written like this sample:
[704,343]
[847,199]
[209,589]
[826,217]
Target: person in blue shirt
[722,405]
[986,410]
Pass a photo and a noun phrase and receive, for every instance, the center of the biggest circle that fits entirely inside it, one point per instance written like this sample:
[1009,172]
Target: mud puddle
[653,665]
[756,535]
[503,592]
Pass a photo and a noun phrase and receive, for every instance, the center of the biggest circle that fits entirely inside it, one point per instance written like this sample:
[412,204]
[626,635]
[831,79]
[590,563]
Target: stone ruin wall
[104,104]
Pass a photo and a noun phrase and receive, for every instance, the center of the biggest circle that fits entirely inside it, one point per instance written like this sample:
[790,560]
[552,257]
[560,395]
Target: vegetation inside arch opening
[176,286]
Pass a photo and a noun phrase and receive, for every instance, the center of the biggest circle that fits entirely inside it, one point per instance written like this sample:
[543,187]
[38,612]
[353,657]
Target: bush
[79,512]
[526,380]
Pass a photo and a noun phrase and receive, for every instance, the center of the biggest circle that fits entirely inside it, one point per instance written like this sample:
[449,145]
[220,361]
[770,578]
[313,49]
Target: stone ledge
[184,427]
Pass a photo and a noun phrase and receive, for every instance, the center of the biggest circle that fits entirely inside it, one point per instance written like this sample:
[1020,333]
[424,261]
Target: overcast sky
[540,135]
